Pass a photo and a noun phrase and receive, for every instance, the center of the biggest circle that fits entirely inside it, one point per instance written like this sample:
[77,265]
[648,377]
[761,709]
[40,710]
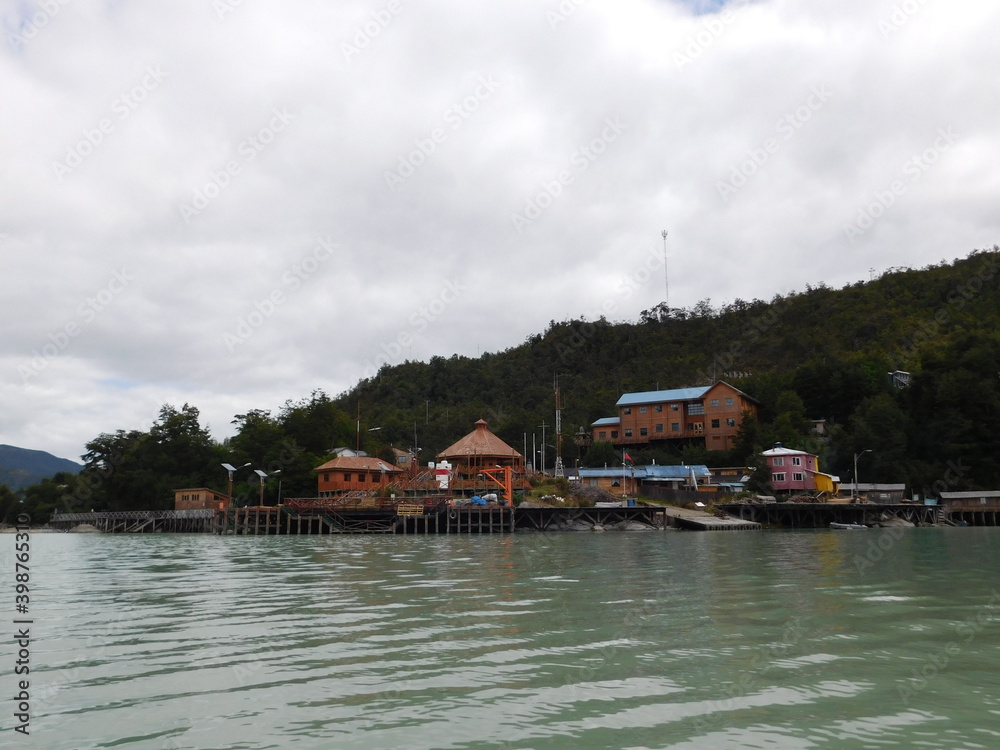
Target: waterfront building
[875,492]
[706,415]
[354,473]
[200,498]
[637,480]
[971,500]
[480,450]
[797,471]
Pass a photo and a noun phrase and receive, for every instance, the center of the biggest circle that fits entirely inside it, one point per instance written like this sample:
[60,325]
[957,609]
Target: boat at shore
[835,525]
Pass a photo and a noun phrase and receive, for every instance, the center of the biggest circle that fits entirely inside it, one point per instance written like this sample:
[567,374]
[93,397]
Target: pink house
[797,471]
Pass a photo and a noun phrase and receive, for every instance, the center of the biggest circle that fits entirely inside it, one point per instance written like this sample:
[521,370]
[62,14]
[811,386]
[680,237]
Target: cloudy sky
[232,202]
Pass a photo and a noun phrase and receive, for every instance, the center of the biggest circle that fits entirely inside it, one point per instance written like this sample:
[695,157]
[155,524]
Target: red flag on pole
[628,457]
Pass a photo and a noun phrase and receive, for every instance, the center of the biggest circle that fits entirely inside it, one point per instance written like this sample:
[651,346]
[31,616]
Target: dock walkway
[407,518]
[699,520]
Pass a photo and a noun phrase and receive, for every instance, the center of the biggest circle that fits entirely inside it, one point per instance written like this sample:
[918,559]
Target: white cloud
[697,94]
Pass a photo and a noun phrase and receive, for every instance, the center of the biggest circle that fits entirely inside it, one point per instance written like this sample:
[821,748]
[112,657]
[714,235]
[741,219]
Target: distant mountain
[21,467]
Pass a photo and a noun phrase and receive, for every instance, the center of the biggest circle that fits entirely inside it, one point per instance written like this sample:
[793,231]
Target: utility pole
[542,457]
[559,462]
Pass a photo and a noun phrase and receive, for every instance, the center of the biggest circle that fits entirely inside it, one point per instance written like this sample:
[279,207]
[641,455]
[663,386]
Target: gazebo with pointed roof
[481,449]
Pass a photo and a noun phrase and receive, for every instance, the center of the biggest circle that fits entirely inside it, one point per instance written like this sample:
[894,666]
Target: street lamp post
[854,493]
[278,471]
[263,476]
[232,470]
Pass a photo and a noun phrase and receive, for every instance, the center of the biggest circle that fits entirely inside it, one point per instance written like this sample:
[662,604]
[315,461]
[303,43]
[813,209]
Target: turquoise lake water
[807,639]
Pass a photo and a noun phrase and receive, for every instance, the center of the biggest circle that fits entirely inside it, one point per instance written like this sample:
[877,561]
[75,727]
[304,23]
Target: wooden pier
[141,521]
[713,523]
[557,519]
[821,515]
[433,515]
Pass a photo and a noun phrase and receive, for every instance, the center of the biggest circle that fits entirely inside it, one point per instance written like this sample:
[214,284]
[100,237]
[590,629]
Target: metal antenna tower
[666,283]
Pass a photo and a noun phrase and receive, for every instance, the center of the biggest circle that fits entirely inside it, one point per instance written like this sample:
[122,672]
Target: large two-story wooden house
[710,415]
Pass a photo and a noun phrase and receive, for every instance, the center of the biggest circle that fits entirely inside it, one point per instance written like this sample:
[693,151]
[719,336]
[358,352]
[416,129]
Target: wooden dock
[699,520]
[141,521]
[433,515]
[821,515]
[409,517]
[716,524]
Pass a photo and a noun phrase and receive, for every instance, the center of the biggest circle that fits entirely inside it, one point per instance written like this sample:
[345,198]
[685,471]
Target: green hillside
[22,467]
[820,354]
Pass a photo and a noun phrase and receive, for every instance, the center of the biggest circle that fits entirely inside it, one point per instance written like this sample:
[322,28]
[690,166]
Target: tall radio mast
[666,283]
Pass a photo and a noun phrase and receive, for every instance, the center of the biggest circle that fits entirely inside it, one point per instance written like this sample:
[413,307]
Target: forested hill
[21,467]
[820,354]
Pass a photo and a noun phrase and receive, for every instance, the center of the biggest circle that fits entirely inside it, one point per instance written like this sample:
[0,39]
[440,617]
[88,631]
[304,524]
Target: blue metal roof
[606,421]
[653,397]
[677,472]
[681,473]
[613,471]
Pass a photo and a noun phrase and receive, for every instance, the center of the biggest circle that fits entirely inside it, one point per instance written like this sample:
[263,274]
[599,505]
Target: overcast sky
[233,203]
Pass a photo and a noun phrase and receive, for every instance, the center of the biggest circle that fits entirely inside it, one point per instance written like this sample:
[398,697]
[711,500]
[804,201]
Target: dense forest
[821,354]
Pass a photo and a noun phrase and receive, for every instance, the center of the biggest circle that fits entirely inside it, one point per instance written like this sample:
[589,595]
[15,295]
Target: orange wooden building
[199,498]
[479,450]
[708,414]
[348,473]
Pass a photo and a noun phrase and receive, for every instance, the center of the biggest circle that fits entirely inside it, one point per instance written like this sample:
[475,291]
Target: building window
[715,402]
[675,426]
[602,434]
[642,409]
[643,431]
[628,433]
[628,409]
[614,434]
[659,428]
[777,461]
[673,407]
[730,402]
[659,407]
[696,409]
[326,477]
[715,424]
[347,477]
[778,477]
[797,477]
[796,461]
[731,422]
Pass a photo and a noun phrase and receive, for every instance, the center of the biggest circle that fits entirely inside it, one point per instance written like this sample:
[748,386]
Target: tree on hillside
[140,470]
[601,454]
[10,505]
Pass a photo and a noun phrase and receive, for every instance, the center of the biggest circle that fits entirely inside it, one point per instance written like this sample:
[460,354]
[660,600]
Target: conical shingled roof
[479,442]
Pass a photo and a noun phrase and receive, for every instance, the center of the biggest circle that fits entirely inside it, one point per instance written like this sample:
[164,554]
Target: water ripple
[539,641]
